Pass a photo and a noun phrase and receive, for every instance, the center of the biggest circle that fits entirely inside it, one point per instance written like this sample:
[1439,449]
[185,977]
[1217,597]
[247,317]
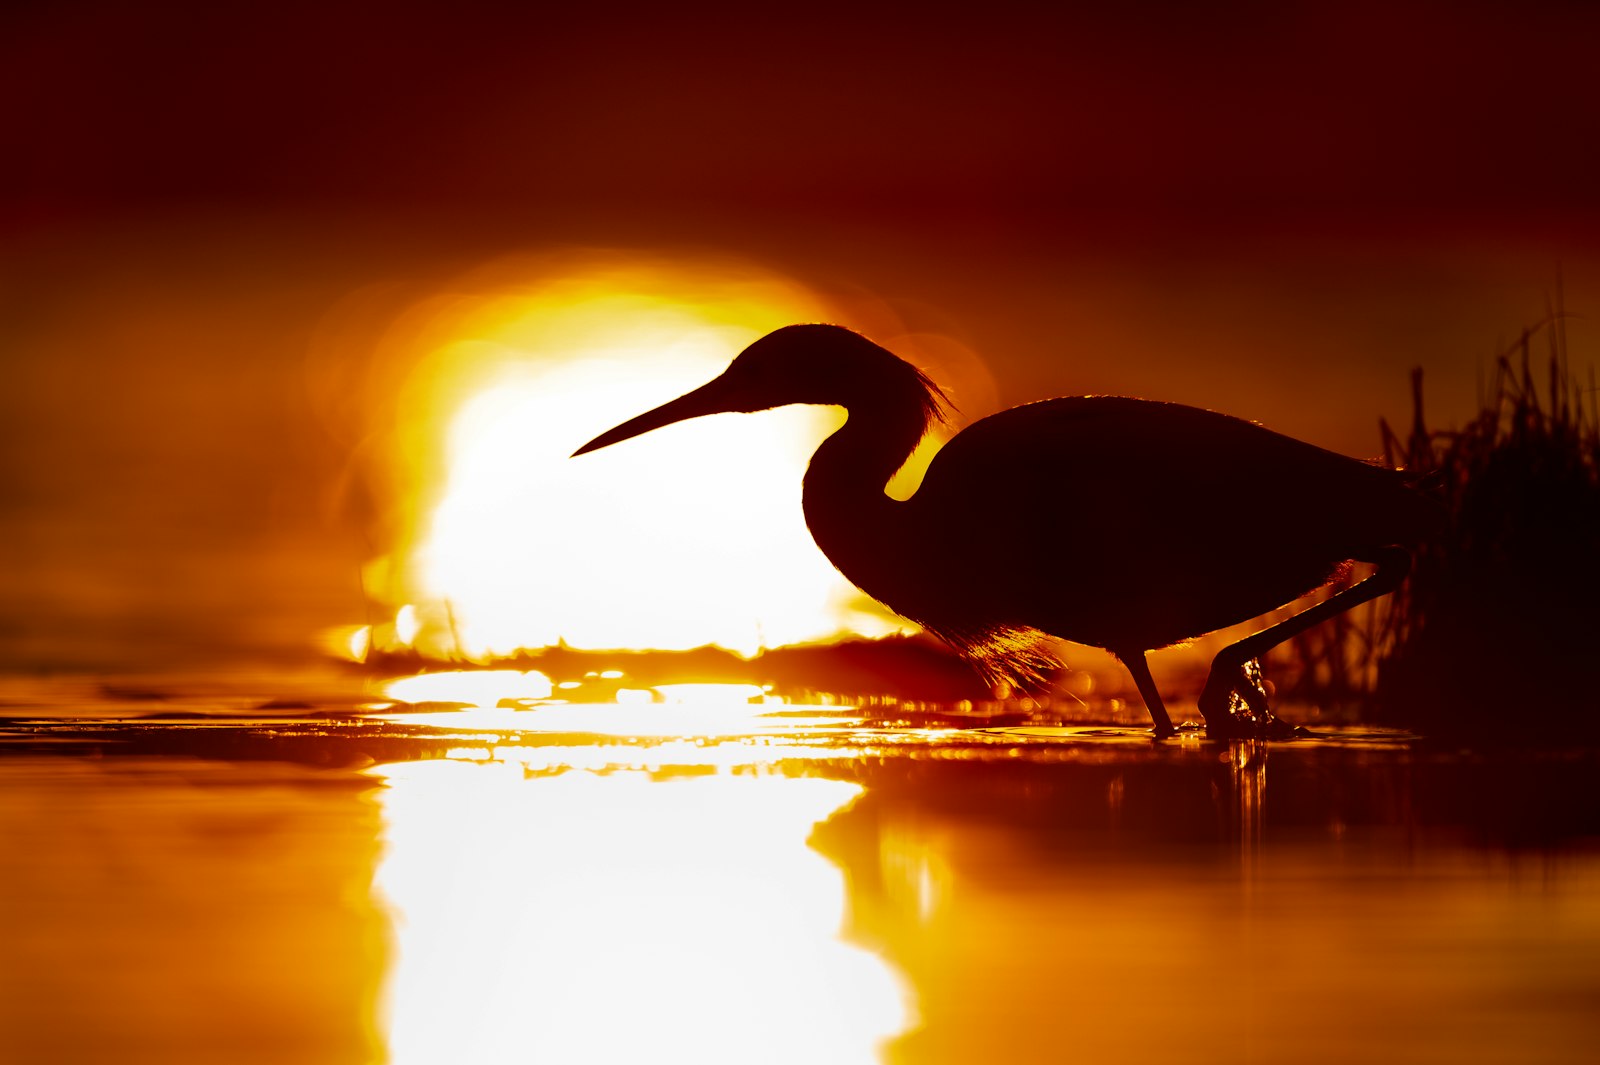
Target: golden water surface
[778,884]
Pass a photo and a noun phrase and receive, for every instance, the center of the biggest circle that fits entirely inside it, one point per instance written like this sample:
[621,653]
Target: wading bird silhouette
[1125,524]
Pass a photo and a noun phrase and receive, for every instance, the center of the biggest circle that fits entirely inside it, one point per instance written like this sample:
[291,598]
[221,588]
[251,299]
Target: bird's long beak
[714,397]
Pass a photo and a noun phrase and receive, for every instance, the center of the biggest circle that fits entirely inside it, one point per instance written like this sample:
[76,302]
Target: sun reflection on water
[503,700]
[621,917]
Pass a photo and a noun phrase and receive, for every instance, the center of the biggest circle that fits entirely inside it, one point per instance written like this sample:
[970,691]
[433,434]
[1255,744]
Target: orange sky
[1268,211]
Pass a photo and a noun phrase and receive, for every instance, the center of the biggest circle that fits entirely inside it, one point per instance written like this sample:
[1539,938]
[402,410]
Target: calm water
[728,883]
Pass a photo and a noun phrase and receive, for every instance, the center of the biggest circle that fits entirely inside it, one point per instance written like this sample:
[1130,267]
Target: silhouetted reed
[1498,626]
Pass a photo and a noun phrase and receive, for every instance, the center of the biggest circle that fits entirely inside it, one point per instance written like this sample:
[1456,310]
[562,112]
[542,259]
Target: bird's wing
[1135,460]
[1148,508]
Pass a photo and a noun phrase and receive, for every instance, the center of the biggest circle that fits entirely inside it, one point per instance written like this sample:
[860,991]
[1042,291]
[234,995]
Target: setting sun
[696,538]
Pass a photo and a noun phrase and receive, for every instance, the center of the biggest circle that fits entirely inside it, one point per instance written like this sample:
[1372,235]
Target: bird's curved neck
[846,508]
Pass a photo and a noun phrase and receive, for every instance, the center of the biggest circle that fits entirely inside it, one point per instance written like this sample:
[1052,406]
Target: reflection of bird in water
[1125,524]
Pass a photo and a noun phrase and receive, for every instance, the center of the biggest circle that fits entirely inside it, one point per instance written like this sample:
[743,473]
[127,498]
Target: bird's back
[1144,523]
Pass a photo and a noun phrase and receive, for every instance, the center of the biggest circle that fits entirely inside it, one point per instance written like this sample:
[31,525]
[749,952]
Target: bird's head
[822,364]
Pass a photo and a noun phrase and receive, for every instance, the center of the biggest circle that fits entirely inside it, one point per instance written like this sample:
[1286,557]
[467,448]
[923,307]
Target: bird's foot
[1234,705]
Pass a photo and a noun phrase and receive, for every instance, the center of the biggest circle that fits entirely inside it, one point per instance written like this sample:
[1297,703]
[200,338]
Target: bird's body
[1120,523]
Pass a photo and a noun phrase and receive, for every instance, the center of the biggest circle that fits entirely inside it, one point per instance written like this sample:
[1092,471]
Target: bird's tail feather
[1018,656]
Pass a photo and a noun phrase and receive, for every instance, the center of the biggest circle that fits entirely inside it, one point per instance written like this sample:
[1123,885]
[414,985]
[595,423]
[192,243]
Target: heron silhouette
[1125,524]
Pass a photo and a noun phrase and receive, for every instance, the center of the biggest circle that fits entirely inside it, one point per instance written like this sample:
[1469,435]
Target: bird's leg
[1228,668]
[1136,665]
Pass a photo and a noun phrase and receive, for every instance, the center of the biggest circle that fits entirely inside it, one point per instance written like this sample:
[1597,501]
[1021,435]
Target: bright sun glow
[607,918]
[689,536]
[481,688]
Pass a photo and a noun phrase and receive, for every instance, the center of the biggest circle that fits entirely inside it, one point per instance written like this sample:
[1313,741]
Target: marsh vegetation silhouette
[1125,524]
[1500,614]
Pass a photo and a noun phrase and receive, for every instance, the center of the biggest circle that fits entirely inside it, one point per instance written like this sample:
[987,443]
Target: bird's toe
[1234,705]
